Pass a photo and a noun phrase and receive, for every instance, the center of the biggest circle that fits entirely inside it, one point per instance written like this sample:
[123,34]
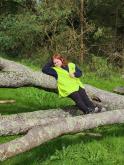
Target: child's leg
[75,96]
[85,98]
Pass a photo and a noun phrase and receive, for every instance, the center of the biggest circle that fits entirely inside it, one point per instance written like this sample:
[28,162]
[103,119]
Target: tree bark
[38,135]
[23,122]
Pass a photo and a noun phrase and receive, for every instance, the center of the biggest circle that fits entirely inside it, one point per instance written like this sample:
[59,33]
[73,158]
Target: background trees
[39,28]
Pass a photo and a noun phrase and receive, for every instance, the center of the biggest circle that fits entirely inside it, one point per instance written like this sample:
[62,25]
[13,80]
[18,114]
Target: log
[7,101]
[38,135]
[22,122]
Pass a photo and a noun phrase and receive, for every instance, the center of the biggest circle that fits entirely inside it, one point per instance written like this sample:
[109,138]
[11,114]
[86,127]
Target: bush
[101,67]
[20,34]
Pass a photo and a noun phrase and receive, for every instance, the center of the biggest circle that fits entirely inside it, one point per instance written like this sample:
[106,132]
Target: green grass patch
[103,83]
[30,99]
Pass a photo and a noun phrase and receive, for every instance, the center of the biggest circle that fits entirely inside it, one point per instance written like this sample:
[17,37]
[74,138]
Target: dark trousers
[82,101]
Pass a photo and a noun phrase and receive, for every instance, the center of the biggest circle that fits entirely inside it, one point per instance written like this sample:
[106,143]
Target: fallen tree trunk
[13,74]
[23,122]
[38,135]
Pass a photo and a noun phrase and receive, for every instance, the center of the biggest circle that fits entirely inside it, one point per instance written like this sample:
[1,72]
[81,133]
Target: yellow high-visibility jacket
[66,84]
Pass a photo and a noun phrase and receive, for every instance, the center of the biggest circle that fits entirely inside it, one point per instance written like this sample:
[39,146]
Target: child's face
[57,62]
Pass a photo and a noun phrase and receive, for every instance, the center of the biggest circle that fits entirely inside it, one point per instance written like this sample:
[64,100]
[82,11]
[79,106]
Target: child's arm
[78,72]
[47,69]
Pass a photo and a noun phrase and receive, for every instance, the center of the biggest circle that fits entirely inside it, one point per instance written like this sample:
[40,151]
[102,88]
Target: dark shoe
[97,109]
[103,109]
[90,110]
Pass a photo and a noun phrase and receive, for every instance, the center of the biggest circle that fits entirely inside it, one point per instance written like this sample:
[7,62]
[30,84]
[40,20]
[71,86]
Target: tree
[81,23]
[39,127]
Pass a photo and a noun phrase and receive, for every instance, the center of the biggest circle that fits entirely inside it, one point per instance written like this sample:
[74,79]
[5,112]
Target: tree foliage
[28,26]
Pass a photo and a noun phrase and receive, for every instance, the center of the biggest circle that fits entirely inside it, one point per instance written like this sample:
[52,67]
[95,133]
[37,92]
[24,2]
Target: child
[69,85]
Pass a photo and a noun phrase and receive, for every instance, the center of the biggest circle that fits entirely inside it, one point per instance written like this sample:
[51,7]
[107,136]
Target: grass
[77,149]
[104,83]
[30,99]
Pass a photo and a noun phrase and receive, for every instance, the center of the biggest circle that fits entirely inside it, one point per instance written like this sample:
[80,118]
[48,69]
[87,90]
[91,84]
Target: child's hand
[71,75]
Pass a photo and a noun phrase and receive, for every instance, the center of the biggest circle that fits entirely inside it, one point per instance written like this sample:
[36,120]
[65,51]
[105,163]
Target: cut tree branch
[38,135]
